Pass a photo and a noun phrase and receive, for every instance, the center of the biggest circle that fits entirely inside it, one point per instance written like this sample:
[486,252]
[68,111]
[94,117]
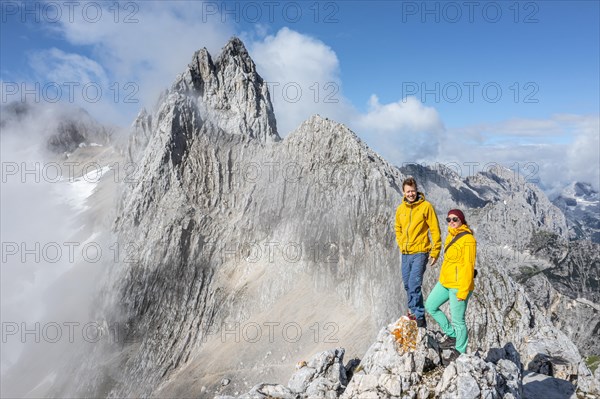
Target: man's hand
[431,261]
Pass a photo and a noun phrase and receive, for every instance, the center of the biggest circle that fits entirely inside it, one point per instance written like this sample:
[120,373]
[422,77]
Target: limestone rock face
[320,211]
[323,376]
[567,289]
[230,93]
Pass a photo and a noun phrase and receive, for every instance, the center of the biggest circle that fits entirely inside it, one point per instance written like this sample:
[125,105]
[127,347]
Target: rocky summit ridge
[387,371]
[230,93]
[237,230]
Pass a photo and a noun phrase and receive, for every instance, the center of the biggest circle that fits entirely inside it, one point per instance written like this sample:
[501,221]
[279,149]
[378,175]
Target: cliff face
[250,252]
[242,229]
[227,94]
[567,289]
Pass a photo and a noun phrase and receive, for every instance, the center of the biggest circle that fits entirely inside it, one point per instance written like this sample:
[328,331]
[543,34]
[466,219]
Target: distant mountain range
[581,205]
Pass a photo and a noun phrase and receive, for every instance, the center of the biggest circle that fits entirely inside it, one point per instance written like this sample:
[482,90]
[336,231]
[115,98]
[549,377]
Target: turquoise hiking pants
[458,329]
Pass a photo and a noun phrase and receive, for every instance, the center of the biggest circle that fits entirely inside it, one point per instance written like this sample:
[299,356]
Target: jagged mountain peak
[235,51]
[581,189]
[578,192]
[229,92]
[321,135]
[227,96]
[320,129]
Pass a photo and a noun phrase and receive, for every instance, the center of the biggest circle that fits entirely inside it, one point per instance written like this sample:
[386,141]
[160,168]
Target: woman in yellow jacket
[455,283]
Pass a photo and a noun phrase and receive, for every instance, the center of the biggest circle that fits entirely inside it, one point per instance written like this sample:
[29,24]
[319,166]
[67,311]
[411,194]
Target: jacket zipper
[408,228]
[456,271]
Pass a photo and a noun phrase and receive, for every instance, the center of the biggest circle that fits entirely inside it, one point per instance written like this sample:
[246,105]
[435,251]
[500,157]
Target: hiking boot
[453,356]
[421,323]
[447,342]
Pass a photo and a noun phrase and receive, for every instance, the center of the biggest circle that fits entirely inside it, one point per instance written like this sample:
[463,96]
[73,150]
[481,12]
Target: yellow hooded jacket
[459,262]
[413,221]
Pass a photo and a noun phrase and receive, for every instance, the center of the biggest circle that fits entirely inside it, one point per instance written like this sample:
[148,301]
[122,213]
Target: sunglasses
[453,219]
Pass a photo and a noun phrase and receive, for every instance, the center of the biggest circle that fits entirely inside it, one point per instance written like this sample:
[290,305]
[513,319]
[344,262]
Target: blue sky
[430,82]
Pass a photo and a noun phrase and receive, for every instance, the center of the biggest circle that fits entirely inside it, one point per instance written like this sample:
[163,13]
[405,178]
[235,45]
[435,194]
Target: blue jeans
[413,268]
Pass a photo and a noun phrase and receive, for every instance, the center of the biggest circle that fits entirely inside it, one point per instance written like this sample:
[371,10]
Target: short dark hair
[409,181]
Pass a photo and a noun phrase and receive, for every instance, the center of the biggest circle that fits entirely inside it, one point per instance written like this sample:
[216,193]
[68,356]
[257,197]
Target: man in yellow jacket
[455,284]
[415,219]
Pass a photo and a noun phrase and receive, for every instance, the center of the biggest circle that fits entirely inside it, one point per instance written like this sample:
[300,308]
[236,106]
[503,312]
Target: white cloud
[304,79]
[402,131]
[562,149]
[406,114]
[141,47]
[303,76]
[528,127]
[58,66]
[36,214]
[583,154]
[78,80]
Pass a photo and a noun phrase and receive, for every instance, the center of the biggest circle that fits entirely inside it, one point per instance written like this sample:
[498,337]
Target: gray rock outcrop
[388,372]
[567,288]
